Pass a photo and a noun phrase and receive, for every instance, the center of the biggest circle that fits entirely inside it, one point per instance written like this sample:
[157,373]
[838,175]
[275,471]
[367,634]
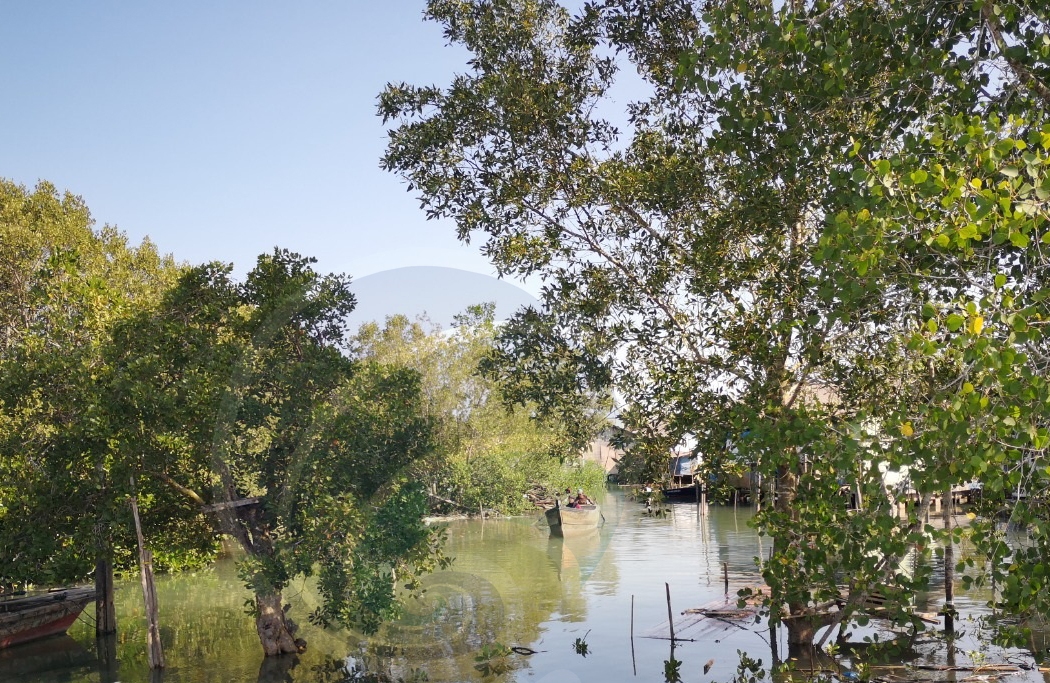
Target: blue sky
[222,129]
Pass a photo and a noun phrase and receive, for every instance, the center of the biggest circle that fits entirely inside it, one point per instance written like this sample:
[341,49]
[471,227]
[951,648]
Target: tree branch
[1019,69]
[597,248]
[189,493]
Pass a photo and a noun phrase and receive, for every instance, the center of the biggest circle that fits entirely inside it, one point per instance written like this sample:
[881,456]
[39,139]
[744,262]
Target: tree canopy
[222,406]
[243,397]
[818,231]
[62,286]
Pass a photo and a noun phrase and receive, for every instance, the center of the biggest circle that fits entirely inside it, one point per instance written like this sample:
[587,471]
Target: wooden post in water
[105,608]
[105,605]
[773,645]
[670,615]
[154,651]
[106,654]
[949,564]
[632,619]
[725,574]
[634,664]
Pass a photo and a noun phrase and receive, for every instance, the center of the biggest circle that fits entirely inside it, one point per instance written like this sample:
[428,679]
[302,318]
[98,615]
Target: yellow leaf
[741,68]
[976,324]
[907,429]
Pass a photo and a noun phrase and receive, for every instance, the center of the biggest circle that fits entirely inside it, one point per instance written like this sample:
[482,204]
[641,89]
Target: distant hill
[438,292]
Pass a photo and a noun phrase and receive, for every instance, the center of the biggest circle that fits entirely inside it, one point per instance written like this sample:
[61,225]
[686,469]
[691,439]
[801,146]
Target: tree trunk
[276,630]
[277,668]
[800,631]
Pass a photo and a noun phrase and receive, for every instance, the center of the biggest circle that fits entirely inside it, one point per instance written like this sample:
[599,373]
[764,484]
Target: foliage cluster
[63,482]
[817,233]
[222,406]
[490,453]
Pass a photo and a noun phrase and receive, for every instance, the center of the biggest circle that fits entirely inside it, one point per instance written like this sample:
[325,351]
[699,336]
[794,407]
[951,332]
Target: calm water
[510,584]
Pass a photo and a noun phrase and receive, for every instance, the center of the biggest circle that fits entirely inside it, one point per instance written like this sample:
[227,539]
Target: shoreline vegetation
[244,411]
[810,245]
[815,255]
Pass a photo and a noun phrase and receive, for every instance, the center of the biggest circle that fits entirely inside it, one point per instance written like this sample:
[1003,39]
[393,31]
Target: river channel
[569,600]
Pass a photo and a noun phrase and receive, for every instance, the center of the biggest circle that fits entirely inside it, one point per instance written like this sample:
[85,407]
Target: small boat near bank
[562,520]
[38,616]
[678,493]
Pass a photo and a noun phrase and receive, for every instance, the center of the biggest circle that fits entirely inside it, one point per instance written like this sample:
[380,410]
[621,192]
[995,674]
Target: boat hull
[562,520]
[26,619]
[680,492]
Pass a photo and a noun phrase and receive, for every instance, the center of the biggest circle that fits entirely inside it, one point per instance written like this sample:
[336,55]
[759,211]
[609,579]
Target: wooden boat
[562,520]
[38,616]
[681,493]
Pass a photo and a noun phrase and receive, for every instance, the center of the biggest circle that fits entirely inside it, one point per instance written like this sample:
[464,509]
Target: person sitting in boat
[581,499]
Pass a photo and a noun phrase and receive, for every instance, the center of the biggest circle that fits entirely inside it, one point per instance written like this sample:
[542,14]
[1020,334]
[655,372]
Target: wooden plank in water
[717,615]
[723,614]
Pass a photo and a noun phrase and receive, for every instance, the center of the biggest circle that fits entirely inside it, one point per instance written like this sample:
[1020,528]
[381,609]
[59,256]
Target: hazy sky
[222,129]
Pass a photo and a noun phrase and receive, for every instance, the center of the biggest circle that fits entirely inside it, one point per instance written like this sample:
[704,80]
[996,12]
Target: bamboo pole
[154,650]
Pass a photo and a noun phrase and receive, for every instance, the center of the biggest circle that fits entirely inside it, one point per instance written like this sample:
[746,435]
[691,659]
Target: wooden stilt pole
[949,564]
[725,574]
[634,663]
[773,643]
[670,615]
[154,651]
[105,609]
